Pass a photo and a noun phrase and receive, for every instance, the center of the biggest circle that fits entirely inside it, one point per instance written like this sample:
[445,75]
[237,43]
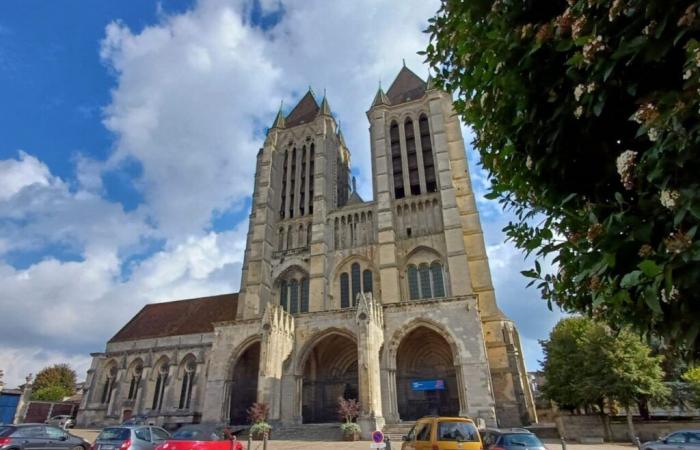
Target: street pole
[563,443]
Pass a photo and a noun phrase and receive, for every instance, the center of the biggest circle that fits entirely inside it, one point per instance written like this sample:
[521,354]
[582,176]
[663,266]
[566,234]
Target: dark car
[130,437]
[36,436]
[203,437]
[510,439]
[678,440]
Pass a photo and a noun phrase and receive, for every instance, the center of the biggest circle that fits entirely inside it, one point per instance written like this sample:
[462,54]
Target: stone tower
[388,301]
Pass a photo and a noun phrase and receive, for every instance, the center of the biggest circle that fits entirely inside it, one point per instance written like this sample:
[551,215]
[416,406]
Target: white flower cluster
[528,163]
[669,198]
[625,166]
[579,91]
[671,296]
[578,112]
[593,46]
[653,134]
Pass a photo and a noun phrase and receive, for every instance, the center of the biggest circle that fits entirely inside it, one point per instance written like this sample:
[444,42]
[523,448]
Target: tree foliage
[692,377]
[54,393]
[586,363]
[56,376]
[586,118]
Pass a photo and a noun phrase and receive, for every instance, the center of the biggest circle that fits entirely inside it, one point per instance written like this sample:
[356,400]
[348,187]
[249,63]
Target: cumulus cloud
[192,96]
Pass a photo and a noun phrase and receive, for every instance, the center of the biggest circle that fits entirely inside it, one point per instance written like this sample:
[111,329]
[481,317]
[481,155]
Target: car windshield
[6,431]
[457,431]
[114,434]
[198,434]
[523,439]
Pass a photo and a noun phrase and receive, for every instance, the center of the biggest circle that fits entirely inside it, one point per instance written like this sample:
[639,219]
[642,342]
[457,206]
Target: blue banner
[428,385]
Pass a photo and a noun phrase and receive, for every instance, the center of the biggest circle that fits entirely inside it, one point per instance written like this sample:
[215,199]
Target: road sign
[377,437]
[377,445]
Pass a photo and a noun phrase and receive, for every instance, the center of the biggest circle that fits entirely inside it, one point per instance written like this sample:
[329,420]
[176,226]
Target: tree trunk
[605,420]
[630,424]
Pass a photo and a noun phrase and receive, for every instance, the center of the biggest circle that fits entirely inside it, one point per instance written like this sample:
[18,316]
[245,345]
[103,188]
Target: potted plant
[348,410]
[257,414]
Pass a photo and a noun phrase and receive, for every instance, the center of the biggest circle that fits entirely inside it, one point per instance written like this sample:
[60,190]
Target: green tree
[692,377]
[587,363]
[597,159]
[56,376]
[54,393]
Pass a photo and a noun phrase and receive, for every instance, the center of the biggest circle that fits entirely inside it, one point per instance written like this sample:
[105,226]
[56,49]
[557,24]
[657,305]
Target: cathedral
[388,301]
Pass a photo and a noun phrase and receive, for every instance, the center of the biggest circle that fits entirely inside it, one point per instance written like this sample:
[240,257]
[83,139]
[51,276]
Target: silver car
[137,437]
[678,440]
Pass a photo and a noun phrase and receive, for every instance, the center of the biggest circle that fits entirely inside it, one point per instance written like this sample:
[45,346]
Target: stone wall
[573,427]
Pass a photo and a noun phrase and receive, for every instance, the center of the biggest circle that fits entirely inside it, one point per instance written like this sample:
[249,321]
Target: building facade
[387,301]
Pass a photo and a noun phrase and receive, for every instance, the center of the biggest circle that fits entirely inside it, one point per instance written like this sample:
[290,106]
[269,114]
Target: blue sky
[127,140]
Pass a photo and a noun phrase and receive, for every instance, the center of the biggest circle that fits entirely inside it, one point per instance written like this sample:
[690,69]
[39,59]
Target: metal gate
[8,407]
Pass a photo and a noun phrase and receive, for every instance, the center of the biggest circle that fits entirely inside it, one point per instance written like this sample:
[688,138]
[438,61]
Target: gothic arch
[392,346]
[308,346]
[289,266]
[239,351]
[422,248]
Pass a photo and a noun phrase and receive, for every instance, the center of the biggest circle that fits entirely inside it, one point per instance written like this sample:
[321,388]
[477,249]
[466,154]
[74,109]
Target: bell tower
[302,173]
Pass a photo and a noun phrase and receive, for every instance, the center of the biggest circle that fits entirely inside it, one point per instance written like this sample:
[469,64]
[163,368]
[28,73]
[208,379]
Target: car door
[674,441]
[57,438]
[693,438]
[32,438]
[142,439]
[159,435]
[410,443]
[424,436]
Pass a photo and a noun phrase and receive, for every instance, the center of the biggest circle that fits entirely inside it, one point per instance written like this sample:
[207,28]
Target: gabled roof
[305,111]
[355,199]
[407,86]
[180,317]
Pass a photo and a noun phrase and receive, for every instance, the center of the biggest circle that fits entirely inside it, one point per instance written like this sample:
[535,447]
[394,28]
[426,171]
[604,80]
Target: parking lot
[90,435]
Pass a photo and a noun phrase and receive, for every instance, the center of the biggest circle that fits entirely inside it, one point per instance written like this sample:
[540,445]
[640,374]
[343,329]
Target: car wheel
[79,447]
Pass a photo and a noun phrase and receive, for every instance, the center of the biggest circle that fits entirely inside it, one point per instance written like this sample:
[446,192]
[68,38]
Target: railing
[418,215]
[290,252]
[353,226]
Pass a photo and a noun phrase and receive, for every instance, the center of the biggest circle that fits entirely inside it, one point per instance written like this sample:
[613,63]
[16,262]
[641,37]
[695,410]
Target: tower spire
[279,118]
[380,97]
[325,109]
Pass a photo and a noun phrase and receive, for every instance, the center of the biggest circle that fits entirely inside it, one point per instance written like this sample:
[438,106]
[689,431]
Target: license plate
[106,447]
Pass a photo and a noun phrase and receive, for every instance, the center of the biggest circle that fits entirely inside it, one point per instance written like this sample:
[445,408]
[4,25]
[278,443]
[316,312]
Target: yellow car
[443,433]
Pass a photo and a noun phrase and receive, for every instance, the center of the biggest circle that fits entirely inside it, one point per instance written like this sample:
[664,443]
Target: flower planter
[353,436]
[259,436]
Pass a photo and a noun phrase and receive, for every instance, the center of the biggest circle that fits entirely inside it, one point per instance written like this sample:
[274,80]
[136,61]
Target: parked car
[138,420]
[202,437]
[682,439]
[130,437]
[442,433]
[510,439]
[38,436]
[62,421]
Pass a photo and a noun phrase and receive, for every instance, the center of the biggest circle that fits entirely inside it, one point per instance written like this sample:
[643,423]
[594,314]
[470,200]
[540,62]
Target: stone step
[396,431]
[308,432]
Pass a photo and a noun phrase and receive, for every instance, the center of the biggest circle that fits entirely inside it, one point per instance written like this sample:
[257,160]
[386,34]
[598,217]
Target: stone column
[370,337]
[276,346]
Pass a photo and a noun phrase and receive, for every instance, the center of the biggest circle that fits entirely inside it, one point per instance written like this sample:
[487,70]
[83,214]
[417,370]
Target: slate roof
[305,111]
[179,317]
[406,87]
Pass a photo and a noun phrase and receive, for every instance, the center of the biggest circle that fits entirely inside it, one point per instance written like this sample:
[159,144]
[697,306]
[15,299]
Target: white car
[63,421]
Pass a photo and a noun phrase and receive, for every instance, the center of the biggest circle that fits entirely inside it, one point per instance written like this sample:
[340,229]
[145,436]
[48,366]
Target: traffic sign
[377,437]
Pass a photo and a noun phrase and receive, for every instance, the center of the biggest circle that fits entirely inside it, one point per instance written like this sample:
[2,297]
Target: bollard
[638,443]
[265,440]
[387,441]
[563,443]
[250,441]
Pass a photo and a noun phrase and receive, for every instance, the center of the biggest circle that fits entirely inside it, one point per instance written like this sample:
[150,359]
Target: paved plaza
[90,435]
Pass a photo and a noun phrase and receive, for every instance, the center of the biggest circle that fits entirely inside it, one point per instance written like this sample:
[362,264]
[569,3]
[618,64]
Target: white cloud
[192,95]
[17,174]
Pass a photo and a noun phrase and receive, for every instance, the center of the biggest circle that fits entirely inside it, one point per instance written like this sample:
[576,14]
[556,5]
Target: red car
[202,437]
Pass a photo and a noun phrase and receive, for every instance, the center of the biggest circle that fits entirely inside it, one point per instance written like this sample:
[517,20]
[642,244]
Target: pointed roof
[279,120]
[406,87]
[325,107]
[380,98]
[340,136]
[355,199]
[430,83]
[305,111]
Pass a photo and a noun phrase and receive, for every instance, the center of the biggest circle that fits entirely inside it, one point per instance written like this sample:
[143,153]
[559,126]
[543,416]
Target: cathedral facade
[387,301]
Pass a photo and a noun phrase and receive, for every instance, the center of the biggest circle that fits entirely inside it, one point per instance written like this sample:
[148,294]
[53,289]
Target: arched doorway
[244,384]
[330,371]
[426,380]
